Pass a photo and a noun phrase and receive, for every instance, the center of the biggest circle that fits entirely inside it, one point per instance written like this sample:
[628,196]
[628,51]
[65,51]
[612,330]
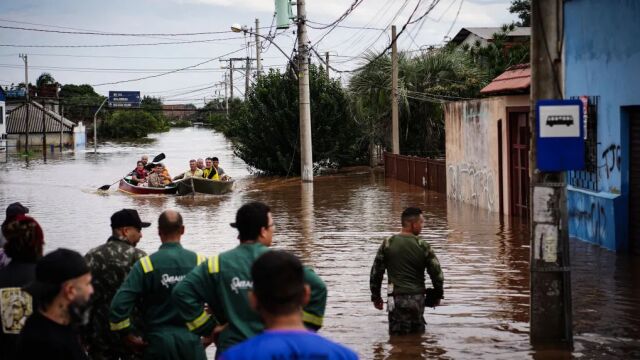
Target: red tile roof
[517,79]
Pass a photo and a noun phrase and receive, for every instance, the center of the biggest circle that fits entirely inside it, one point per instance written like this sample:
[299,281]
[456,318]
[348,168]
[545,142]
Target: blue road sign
[124,99]
[560,135]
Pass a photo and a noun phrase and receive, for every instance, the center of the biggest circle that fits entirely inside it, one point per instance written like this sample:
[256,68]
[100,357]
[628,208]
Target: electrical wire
[122,45]
[170,72]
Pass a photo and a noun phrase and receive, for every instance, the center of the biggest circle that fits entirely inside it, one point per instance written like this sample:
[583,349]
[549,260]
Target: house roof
[53,123]
[516,80]
[487,33]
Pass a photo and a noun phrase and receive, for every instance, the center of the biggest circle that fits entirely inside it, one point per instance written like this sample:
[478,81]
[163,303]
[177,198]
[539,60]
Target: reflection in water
[336,225]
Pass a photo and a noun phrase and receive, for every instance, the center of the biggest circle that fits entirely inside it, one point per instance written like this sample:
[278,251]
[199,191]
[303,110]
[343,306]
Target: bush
[131,124]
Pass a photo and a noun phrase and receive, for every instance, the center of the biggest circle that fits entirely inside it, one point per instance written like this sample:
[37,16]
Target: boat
[194,185]
[127,186]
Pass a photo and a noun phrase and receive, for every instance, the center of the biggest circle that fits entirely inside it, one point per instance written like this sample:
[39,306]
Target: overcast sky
[99,65]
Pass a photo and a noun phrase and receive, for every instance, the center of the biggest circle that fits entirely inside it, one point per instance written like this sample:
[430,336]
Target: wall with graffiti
[472,150]
[604,66]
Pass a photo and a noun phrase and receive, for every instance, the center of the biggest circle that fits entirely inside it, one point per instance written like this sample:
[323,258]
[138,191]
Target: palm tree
[45,79]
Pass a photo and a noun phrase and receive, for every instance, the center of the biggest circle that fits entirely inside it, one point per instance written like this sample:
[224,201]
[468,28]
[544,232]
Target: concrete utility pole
[326,62]
[24,57]
[395,132]
[44,131]
[247,77]
[231,79]
[306,156]
[551,320]
[95,127]
[226,99]
[258,60]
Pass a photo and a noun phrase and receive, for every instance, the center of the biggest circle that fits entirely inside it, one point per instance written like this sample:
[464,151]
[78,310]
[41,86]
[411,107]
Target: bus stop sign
[560,135]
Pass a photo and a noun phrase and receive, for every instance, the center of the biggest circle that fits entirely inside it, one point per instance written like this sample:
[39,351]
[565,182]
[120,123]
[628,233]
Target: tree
[265,128]
[523,9]
[131,124]
[45,79]
[424,83]
[499,54]
[79,102]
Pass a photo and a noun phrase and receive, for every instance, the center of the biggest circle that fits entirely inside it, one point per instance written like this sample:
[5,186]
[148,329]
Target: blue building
[602,67]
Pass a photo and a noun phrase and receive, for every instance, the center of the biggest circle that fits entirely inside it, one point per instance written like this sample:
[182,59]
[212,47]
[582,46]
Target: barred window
[588,178]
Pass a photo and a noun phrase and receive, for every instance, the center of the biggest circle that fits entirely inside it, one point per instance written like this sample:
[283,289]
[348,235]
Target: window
[588,178]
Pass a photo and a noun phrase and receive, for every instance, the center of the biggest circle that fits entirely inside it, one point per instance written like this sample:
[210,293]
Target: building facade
[602,58]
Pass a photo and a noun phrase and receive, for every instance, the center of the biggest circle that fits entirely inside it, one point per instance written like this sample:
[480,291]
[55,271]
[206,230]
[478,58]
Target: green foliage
[523,9]
[79,102]
[499,54]
[425,81]
[45,79]
[131,125]
[265,128]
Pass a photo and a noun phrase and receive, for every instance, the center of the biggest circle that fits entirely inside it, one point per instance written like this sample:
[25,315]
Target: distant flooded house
[487,145]
[38,124]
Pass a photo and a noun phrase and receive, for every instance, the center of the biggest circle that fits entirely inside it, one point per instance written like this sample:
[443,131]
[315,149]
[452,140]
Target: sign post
[124,99]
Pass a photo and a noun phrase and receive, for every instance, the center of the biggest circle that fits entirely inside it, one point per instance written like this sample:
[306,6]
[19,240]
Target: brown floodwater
[335,225]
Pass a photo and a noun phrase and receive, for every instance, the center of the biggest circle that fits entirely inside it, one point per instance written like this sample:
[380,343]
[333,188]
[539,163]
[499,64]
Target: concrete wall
[602,58]
[15,141]
[472,150]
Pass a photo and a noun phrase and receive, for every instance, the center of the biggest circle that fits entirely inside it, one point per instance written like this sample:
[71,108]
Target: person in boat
[157,177]
[209,172]
[200,164]
[139,175]
[166,178]
[192,172]
[219,170]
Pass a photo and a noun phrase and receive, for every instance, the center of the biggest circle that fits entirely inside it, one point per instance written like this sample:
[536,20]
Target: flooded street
[336,225]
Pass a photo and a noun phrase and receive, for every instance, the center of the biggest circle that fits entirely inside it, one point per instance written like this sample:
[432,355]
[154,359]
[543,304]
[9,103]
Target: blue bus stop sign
[560,135]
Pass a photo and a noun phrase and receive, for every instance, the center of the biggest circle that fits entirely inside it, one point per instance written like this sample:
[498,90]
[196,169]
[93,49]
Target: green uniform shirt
[223,282]
[405,257]
[150,283]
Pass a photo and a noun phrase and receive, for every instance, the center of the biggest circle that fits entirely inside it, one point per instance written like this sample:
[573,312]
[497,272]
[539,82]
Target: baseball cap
[16,209]
[127,217]
[55,268]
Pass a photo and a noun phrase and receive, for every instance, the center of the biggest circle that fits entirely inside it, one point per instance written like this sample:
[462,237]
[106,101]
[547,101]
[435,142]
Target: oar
[158,158]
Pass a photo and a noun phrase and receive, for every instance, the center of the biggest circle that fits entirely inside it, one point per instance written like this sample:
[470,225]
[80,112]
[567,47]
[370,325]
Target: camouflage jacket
[110,263]
[405,258]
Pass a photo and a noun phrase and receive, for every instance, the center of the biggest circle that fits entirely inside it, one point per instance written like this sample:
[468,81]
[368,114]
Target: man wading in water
[405,257]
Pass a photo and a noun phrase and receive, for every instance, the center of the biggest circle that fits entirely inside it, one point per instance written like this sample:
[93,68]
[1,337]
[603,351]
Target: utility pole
[258,60]
[231,79]
[395,132]
[306,156]
[44,131]
[24,57]
[95,127]
[226,99]
[247,75]
[326,62]
[551,318]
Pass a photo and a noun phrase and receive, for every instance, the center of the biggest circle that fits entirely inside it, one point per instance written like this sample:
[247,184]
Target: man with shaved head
[150,283]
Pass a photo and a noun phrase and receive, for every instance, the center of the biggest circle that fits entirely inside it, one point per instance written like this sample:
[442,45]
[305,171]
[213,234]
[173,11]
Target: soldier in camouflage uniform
[405,257]
[110,263]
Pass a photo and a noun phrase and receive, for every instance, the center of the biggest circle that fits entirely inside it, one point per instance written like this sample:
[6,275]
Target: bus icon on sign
[559,120]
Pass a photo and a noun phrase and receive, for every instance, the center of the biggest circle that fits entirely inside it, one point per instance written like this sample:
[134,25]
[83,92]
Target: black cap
[55,268]
[16,209]
[127,217]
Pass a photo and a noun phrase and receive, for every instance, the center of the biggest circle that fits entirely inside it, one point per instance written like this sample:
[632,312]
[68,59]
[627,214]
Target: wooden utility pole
[44,130]
[24,57]
[551,320]
[258,60]
[395,132]
[326,62]
[306,155]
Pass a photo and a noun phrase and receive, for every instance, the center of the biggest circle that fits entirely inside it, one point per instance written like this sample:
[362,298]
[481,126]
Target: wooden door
[519,163]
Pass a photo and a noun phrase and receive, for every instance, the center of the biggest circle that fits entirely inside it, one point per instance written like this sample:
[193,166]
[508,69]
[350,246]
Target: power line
[172,71]
[344,15]
[125,57]
[342,26]
[122,45]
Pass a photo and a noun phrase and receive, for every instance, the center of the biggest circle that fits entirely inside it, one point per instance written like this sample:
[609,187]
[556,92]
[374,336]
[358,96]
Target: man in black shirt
[62,290]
